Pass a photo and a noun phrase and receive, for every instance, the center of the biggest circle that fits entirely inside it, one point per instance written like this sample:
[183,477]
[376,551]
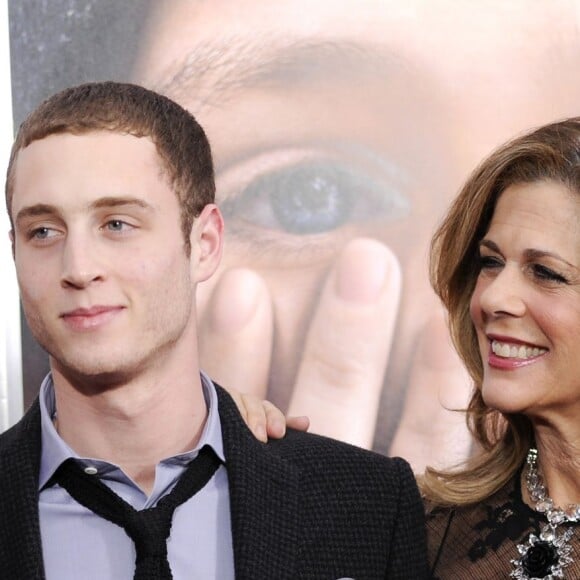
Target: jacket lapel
[264,501]
[20,528]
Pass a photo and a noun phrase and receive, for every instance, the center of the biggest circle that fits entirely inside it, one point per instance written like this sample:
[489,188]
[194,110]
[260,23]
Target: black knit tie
[148,528]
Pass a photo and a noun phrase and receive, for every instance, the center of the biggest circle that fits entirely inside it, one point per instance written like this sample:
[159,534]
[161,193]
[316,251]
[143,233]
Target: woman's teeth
[505,350]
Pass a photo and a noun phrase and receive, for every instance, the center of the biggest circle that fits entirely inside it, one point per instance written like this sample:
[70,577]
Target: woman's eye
[489,262]
[547,274]
[312,198]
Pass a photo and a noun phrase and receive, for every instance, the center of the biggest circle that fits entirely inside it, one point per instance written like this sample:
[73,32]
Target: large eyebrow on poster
[11,403]
[239,63]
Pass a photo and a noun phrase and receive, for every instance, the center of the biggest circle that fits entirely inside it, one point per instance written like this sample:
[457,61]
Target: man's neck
[135,425]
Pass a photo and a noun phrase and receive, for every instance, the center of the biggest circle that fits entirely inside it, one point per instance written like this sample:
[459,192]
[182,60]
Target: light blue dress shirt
[76,543]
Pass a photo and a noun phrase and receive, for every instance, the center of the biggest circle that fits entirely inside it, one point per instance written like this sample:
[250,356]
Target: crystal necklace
[546,555]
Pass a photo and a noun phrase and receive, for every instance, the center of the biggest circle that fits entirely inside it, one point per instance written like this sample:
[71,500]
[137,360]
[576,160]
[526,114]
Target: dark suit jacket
[304,507]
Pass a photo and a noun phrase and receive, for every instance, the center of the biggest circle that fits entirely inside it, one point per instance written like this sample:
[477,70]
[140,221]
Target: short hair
[549,153]
[127,108]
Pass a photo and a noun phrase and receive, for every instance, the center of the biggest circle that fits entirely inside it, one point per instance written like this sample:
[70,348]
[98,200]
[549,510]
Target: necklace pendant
[545,556]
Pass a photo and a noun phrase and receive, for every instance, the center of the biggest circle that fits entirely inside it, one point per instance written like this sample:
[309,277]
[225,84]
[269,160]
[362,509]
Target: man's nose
[81,265]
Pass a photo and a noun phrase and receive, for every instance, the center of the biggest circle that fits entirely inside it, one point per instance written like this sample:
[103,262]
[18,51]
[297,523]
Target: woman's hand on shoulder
[264,419]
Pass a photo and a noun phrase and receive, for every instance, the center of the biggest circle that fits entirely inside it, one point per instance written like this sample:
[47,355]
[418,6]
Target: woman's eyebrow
[530,254]
[490,245]
[535,254]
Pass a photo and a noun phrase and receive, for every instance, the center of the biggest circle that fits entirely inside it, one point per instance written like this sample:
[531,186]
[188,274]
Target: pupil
[311,203]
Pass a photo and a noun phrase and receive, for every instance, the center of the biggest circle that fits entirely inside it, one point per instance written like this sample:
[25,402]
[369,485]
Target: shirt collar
[55,451]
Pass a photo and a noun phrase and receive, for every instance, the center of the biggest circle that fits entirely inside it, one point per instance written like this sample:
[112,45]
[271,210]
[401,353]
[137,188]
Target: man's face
[338,119]
[104,277]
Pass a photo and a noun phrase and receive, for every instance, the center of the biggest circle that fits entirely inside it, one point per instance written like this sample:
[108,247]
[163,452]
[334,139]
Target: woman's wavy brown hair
[549,153]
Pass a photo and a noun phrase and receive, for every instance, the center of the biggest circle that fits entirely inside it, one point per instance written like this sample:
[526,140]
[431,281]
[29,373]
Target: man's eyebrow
[44,209]
[211,72]
[36,210]
[113,201]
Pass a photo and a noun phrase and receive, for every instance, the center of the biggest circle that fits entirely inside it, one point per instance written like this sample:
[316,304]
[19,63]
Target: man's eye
[117,225]
[312,198]
[42,233]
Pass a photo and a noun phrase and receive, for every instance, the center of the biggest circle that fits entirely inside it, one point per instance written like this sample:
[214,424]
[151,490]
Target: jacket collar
[20,534]
[262,488]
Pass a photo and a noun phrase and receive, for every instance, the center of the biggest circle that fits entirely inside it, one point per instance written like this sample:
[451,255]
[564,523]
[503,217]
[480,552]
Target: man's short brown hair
[126,108]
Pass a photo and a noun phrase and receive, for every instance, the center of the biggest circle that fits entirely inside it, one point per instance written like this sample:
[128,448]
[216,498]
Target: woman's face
[526,303]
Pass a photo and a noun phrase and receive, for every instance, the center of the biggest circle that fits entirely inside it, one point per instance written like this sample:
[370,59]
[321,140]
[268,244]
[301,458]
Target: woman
[506,264]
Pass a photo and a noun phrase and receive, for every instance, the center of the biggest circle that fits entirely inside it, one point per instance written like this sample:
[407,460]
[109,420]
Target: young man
[110,193]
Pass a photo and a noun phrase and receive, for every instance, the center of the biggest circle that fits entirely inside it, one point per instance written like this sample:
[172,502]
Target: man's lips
[90,318]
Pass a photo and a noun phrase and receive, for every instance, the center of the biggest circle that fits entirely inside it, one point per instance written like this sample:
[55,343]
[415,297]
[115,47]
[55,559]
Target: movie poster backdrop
[341,130]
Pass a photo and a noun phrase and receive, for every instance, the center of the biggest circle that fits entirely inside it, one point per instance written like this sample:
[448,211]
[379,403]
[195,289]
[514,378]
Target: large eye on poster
[341,130]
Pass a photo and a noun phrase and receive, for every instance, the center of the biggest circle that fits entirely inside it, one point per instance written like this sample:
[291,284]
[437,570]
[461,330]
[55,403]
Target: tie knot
[149,529]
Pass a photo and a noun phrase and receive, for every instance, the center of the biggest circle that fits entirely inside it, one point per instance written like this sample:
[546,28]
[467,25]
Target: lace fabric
[478,542]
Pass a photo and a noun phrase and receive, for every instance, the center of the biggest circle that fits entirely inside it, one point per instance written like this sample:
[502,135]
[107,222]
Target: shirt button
[91,470]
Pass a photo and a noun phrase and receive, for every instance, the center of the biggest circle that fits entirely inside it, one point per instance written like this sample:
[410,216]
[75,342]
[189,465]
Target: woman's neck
[559,465]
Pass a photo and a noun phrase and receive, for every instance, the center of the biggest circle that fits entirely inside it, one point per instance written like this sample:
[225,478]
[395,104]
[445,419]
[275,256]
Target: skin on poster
[341,129]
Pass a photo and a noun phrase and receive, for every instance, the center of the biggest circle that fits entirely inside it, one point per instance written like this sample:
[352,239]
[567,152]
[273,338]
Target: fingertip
[232,312]
[276,428]
[260,433]
[365,269]
[300,423]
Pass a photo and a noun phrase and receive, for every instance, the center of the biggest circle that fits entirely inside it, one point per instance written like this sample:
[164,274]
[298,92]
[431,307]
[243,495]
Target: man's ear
[206,241]
[11,235]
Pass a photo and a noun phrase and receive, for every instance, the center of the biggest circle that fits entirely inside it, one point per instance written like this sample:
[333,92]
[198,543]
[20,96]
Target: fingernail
[261,433]
[278,428]
[361,271]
